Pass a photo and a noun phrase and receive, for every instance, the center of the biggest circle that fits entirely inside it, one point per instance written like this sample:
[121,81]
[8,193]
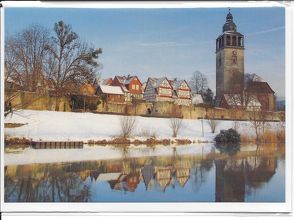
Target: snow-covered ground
[62,126]
[50,125]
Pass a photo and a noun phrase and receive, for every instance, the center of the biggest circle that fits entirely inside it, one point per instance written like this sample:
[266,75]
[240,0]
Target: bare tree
[24,56]
[70,61]
[198,82]
[175,124]
[256,122]
[212,122]
[127,125]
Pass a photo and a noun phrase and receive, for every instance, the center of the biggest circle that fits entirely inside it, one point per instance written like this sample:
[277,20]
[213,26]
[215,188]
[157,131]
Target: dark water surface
[252,174]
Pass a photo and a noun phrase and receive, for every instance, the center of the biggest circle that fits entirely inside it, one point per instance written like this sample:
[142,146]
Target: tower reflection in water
[234,177]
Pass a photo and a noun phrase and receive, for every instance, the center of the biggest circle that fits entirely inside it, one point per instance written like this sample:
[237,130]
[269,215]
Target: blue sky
[169,42]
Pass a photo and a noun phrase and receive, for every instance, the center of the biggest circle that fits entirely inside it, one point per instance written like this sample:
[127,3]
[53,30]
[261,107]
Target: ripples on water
[184,174]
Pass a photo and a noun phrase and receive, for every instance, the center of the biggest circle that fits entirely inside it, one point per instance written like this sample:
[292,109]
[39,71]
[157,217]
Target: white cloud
[266,31]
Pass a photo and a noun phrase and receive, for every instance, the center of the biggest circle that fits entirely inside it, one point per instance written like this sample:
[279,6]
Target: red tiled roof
[259,87]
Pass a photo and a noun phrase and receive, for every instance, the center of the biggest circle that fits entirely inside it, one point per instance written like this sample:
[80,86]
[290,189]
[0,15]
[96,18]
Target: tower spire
[229,25]
[229,59]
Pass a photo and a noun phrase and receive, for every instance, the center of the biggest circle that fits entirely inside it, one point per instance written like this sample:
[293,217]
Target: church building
[230,80]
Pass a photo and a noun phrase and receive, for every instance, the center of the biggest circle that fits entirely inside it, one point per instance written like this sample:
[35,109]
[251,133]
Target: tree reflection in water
[236,175]
[53,184]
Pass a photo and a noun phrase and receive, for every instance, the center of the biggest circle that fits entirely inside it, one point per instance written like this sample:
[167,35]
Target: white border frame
[188,207]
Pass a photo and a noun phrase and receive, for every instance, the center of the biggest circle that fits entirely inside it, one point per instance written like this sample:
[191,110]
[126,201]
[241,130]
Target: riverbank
[105,129]
[70,126]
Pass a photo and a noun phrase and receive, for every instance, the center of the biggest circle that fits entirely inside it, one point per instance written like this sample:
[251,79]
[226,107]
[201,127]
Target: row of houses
[123,89]
[129,89]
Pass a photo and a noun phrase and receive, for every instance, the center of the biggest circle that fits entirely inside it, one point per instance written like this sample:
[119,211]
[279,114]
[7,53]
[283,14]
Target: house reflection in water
[235,176]
[148,175]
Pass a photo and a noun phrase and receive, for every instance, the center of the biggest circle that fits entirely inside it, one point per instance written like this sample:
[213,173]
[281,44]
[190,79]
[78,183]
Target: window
[133,86]
[234,41]
[228,40]
[239,41]
[137,87]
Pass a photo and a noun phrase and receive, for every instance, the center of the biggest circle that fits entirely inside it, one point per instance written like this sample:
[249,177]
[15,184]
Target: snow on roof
[121,79]
[176,83]
[233,99]
[252,77]
[197,99]
[125,79]
[236,100]
[253,101]
[117,90]
[156,82]
[129,79]
[124,88]
[256,78]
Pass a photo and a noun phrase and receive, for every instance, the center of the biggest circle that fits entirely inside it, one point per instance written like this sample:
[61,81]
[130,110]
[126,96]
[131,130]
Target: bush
[229,136]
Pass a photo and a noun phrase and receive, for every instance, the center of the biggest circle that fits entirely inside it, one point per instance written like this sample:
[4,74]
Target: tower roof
[229,26]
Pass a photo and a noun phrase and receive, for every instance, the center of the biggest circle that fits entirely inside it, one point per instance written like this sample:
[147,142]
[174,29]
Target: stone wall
[35,101]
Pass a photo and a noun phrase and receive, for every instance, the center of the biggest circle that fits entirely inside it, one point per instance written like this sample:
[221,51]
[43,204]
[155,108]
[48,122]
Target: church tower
[229,60]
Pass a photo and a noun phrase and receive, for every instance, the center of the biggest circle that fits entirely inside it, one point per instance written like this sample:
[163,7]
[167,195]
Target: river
[194,173]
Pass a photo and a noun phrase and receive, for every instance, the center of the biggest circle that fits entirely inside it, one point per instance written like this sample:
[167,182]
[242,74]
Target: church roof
[259,87]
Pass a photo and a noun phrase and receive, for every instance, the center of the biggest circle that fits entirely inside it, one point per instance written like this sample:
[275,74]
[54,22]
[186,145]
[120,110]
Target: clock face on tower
[234,57]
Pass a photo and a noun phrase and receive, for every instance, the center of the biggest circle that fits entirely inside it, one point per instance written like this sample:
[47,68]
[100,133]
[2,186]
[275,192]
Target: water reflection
[210,176]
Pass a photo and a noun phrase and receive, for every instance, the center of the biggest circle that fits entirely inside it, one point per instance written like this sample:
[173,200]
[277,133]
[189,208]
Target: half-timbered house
[181,92]
[158,89]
